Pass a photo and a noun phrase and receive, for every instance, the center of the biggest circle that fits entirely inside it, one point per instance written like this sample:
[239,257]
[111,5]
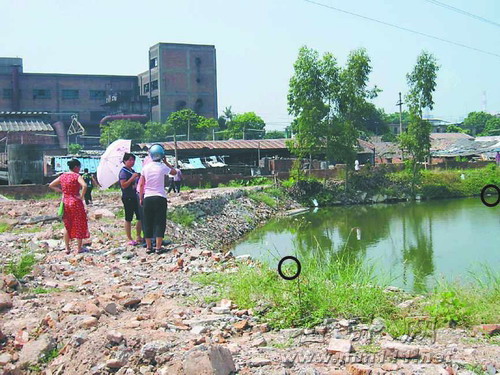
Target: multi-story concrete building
[179,76]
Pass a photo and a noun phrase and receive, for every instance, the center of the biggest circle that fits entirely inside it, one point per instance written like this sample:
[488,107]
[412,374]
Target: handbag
[60,211]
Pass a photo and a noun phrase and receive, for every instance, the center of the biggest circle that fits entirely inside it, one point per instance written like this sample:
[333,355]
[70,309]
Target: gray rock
[378,325]
[339,346]
[114,337]
[213,360]
[128,255]
[220,310]
[197,330]
[33,351]
[5,301]
[5,358]
[110,308]
[79,338]
[398,350]
[259,362]
[150,350]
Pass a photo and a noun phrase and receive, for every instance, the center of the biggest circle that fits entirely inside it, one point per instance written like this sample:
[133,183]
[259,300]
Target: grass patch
[335,287]
[328,288]
[256,181]
[181,216]
[45,291]
[120,214]
[25,229]
[263,197]
[4,227]
[22,266]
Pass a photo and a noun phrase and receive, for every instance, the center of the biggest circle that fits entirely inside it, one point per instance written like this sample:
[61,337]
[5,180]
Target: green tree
[308,101]
[246,126]
[121,129]
[330,105]
[476,122]
[422,83]
[206,126]
[274,134]
[74,148]
[183,122]
[155,132]
[454,129]
[492,126]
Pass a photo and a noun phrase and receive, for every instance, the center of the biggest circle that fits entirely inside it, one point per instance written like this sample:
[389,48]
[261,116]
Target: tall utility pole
[400,104]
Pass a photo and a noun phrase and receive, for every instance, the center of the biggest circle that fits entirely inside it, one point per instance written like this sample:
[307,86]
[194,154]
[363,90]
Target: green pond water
[412,244]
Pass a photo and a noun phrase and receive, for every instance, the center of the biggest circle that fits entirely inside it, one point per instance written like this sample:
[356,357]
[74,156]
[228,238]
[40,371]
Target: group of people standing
[143,196]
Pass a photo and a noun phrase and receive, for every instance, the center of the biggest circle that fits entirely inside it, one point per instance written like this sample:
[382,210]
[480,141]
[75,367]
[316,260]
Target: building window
[97,116]
[7,93]
[146,87]
[97,94]
[70,94]
[180,104]
[154,100]
[198,105]
[154,85]
[41,94]
[153,63]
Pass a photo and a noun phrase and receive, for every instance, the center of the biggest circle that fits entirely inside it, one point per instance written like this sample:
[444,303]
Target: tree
[74,148]
[452,128]
[274,134]
[246,126]
[121,129]
[207,125]
[476,121]
[492,126]
[155,132]
[422,83]
[330,105]
[308,102]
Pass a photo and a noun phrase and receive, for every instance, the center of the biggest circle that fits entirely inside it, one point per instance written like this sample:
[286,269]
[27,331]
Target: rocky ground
[119,310]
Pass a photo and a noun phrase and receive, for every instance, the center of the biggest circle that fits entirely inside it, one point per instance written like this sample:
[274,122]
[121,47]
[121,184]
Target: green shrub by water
[341,288]
[263,197]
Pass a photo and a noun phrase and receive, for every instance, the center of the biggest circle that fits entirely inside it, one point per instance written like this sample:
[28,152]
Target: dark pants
[175,186]
[155,216]
[88,195]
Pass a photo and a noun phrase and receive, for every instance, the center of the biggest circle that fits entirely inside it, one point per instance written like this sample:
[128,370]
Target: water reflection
[411,242]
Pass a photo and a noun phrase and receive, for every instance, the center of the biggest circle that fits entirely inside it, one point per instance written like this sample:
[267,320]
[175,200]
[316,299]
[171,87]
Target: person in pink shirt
[154,197]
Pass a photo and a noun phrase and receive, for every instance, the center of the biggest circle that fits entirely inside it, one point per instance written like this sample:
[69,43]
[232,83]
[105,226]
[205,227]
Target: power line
[404,28]
[461,11]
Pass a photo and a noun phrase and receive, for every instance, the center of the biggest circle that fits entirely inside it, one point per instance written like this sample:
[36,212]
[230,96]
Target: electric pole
[400,104]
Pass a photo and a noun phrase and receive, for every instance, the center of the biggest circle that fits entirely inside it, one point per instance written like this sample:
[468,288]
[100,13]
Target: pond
[413,244]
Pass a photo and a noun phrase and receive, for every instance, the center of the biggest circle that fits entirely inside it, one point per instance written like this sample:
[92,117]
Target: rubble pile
[118,310]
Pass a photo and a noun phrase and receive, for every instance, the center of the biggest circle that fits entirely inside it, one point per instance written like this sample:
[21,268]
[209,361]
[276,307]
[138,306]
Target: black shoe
[150,251]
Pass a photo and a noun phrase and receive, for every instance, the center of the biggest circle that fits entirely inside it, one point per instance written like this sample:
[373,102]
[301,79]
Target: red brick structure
[182,76]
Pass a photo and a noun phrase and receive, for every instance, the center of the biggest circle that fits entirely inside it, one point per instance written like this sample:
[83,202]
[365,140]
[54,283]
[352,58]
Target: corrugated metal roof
[25,126]
[252,144]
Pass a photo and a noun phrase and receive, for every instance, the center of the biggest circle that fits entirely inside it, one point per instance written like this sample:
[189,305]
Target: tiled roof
[25,126]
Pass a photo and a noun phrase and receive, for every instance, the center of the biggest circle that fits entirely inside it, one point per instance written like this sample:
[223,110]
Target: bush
[182,216]
[263,197]
[22,266]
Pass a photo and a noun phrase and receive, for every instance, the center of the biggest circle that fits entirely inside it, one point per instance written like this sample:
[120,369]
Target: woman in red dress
[74,217]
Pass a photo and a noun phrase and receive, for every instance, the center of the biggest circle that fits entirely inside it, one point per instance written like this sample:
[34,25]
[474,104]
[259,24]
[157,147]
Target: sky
[258,41]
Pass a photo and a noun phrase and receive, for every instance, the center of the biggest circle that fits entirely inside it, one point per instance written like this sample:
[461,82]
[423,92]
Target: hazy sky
[257,43]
